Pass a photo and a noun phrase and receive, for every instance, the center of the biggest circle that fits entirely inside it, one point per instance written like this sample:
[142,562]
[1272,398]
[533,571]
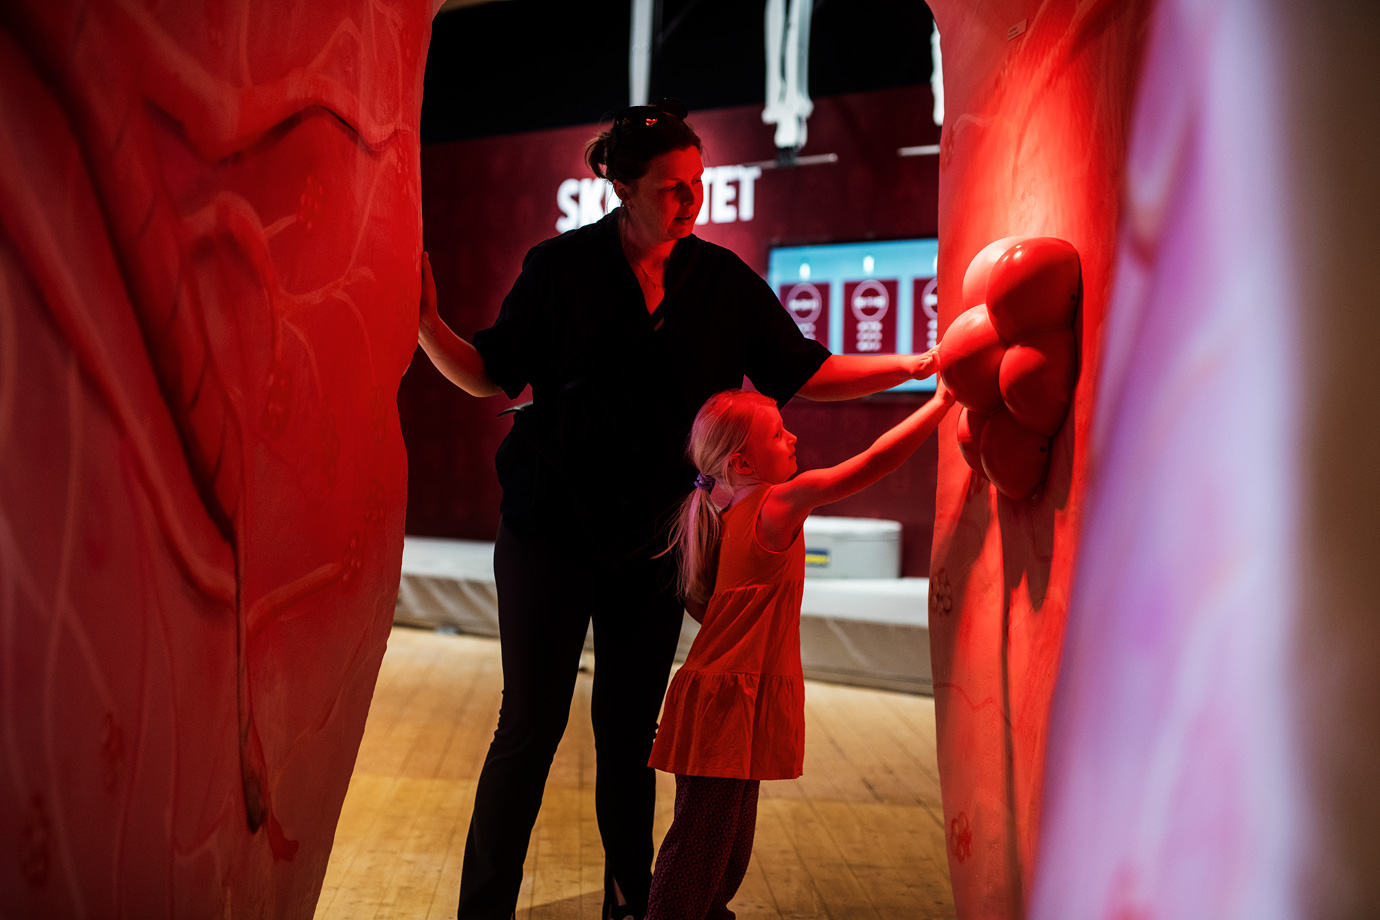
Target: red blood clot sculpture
[1034,286]
[1011,358]
[1036,379]
[975,278]
[970,356]
[970,436]
[1013,457]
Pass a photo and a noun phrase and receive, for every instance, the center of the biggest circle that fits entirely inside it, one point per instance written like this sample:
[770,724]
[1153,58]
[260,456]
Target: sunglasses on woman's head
[648,115]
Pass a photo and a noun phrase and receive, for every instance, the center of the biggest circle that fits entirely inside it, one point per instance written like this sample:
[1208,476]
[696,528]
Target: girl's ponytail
[720,430]
[700,526]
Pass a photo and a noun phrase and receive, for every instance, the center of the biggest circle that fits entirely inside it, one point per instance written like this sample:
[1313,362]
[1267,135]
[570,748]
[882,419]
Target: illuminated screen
[862,298]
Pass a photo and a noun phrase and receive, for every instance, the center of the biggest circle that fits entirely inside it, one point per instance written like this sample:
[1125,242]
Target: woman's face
[665,202]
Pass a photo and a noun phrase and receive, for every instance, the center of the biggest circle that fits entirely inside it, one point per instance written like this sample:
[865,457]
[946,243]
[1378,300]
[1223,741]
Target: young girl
[735,712]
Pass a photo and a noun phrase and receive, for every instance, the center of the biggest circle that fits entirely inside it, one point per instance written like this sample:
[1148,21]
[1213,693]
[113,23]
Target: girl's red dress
[736,708]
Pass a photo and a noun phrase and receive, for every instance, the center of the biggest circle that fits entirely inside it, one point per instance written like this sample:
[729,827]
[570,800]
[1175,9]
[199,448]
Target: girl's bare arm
[454,357]
[790,503]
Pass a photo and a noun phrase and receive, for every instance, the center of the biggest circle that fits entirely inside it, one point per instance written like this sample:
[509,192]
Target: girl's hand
[926,364]
[943,393]
[429,317]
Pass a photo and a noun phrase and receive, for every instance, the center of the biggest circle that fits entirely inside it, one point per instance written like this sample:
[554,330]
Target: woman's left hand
[926,365]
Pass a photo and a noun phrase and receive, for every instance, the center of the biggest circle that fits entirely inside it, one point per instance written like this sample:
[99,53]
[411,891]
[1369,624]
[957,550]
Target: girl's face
[770,451]
[665,202]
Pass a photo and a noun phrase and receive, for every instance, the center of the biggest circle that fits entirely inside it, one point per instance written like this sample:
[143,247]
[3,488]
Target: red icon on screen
[874,321]
[808,306]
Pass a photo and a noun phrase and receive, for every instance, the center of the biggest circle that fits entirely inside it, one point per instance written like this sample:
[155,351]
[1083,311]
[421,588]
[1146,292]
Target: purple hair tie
[704,482]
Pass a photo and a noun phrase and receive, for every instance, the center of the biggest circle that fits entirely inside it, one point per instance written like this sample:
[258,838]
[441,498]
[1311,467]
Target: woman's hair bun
[637,134]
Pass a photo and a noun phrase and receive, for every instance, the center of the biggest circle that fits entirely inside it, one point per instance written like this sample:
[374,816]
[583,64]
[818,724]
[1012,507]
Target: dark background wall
[526,65]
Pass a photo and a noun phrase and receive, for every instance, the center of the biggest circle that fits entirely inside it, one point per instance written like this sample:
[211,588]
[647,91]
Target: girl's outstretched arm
[791,502]
[452,355]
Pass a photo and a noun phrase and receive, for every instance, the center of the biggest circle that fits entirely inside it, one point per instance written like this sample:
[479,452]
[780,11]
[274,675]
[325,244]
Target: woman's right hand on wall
[454,357]
[429,317]
[926,364]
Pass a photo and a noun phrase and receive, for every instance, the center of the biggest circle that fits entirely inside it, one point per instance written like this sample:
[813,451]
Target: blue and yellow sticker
[819,558]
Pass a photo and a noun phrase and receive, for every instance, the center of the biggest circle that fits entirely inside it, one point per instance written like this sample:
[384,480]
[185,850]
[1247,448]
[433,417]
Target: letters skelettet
[729,196]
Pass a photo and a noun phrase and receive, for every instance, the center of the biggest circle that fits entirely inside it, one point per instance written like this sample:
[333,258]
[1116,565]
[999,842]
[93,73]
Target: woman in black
[622,328]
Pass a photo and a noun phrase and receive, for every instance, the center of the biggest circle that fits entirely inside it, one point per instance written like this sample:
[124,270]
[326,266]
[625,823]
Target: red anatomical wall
[1037,103]
[209,238]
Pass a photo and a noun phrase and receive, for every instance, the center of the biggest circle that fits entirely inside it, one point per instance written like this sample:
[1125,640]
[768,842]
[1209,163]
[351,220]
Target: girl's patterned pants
[705,854]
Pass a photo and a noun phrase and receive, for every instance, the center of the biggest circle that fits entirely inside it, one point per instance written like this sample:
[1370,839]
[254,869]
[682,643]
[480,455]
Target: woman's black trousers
[548,593]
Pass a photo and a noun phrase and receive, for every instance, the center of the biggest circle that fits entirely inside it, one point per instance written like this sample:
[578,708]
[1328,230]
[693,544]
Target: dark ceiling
[525,65]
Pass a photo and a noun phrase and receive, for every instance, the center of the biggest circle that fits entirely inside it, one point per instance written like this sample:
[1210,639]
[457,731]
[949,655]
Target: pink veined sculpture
[209,240]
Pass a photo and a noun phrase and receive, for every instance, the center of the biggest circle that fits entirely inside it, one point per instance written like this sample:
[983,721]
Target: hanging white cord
[776,28]
[788,71]
[937,76]
[640,52]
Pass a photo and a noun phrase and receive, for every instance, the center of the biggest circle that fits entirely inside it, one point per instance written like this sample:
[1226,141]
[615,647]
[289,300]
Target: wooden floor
[859,835]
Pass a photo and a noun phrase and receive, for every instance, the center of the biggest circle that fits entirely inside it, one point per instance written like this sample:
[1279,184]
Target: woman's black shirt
[600,454]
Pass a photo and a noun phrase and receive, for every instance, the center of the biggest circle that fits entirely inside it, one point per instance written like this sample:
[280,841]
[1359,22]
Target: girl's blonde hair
[720,430]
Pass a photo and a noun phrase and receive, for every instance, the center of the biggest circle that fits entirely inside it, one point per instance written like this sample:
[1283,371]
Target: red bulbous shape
[1013,457]
[1034,286]
[975,278]
[1037,377]
[970,426]
[970,358]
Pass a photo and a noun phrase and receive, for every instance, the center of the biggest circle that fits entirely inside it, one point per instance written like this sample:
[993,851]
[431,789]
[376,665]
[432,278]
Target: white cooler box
[846,547]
